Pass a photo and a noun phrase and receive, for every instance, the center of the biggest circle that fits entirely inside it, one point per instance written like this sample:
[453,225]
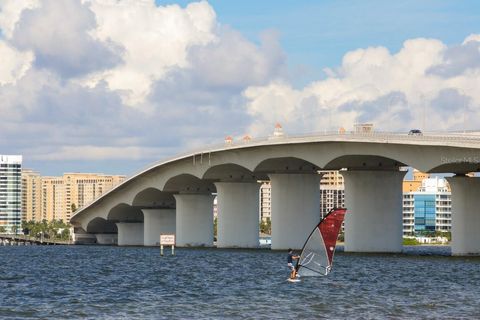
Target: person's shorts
[290,266]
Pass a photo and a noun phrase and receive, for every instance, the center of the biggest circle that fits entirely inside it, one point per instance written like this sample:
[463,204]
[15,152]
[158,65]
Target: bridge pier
[465,215]
[130,233]
[373,222]
[156,222]
[295,208]
[106,238]
[194,220]
[238,214]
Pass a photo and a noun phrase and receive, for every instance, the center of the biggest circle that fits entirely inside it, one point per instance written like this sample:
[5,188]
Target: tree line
[54,229]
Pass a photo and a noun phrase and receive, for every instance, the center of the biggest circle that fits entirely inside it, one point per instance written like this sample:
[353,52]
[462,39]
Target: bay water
[101,282]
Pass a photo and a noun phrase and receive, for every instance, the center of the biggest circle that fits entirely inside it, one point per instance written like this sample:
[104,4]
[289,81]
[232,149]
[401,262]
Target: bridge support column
[238,214]
[106,238]
[194,220]
[373,222]
[130,233]
[465,215]
[295,208]
[156,222]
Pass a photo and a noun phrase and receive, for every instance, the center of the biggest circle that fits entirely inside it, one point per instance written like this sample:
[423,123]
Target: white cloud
[394,91]
[10,11]
[46,103]
[67,93]
[472,37]
[96,35]
[13,63]
[56,32]
[233,61]
[95,153]
[155,39]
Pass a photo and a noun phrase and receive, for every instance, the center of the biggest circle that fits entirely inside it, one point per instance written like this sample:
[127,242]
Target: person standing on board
[290,258]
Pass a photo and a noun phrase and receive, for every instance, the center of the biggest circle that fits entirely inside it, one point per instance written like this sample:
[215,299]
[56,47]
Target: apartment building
[49,198]
[10,193]
[428,209]
[31,195]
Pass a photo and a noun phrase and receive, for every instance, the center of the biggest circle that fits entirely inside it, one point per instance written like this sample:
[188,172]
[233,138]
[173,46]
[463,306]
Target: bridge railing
[468,137]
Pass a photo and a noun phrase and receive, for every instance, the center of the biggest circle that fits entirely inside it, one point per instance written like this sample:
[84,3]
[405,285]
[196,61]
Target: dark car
[415,132]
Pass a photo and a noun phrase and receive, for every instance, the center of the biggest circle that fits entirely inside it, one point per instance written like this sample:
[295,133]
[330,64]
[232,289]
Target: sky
[110,86]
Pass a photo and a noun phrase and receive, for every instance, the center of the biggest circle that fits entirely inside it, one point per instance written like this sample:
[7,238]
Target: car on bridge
[415,132]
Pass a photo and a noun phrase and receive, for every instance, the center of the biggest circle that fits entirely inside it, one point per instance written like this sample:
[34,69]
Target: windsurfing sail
[316,258]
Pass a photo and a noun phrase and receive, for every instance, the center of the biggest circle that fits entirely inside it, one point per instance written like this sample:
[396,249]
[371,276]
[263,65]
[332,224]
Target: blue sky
[127,83]
[316,34]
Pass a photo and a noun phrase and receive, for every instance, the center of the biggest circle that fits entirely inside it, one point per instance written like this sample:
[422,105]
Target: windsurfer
[290,258]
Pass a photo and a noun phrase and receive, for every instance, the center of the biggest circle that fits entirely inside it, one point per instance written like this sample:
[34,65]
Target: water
[93,282]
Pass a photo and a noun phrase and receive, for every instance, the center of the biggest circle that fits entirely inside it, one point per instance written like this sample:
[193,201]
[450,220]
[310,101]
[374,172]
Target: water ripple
[89,282]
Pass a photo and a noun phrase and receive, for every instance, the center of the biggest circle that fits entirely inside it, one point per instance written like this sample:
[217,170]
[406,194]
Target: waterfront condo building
[61,196]
[31,195]
[53,199]
[332,191]
[10,193]
[265,201]
[416,183]
[428,209]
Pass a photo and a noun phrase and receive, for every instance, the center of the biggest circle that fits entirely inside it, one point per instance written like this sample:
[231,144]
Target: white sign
[167,239]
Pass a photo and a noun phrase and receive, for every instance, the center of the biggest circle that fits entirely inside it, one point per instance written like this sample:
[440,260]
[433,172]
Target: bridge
[175,195]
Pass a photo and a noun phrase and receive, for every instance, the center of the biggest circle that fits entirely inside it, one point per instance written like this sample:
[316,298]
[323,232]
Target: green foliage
[341,237]
[2,229]
[73,207]
[266,226]
[426,233]
[434,234]
[447,235]
[55,229]
[410,242]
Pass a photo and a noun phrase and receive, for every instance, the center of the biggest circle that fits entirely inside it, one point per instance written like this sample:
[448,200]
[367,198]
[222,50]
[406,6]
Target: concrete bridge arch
[231,171]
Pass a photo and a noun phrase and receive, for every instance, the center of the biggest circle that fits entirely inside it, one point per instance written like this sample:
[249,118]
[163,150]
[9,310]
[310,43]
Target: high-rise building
[332,191]
[61,196]
[215,207]
[265,201]
[53,199]
[31,195]
[83,188]
[429,208]
[416,183]
[10,192]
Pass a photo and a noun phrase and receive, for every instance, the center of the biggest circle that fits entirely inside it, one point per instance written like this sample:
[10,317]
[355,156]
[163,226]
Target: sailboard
[316,258]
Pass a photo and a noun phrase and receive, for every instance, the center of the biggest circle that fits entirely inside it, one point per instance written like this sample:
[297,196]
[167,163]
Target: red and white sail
[316,258]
